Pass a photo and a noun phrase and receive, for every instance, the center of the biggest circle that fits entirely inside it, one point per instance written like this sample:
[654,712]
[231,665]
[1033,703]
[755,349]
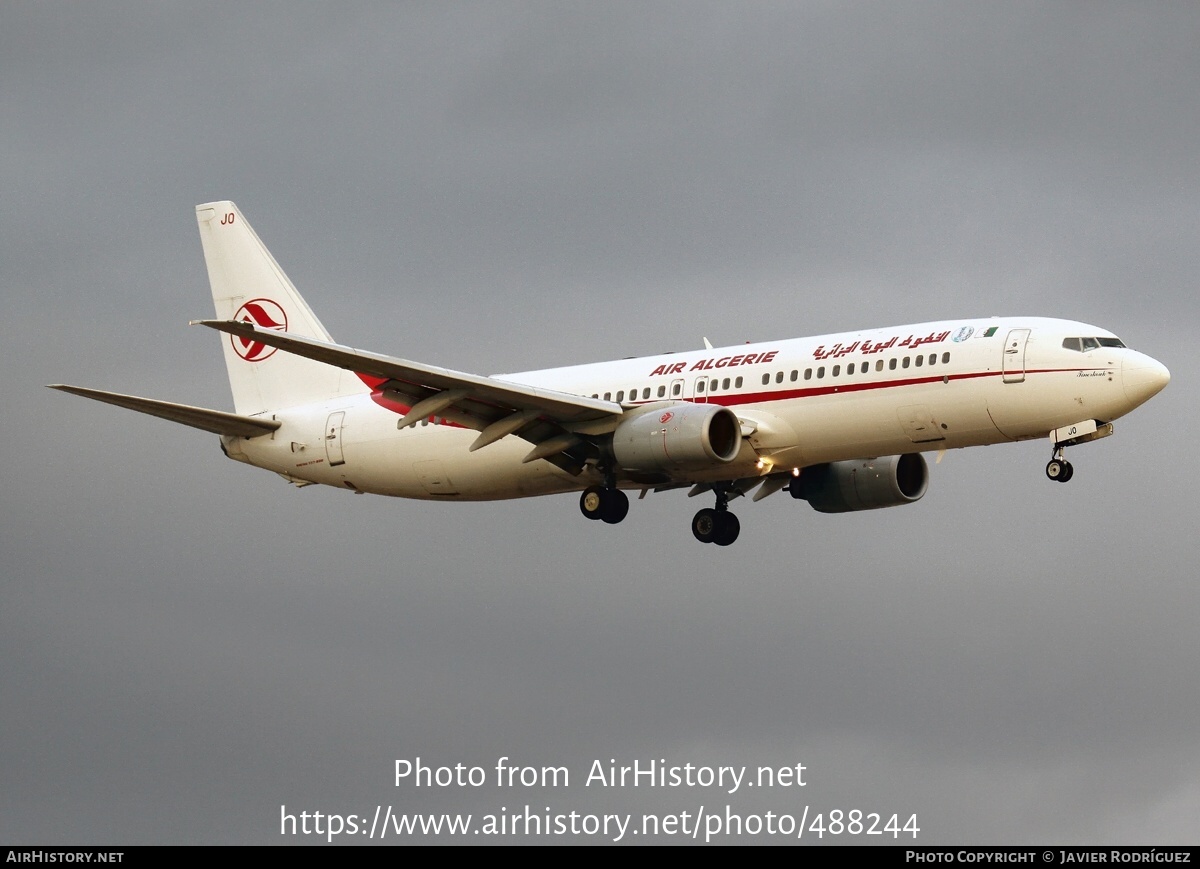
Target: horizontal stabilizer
[215,421]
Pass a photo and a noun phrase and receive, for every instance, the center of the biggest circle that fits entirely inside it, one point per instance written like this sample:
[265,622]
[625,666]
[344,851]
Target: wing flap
[215,421]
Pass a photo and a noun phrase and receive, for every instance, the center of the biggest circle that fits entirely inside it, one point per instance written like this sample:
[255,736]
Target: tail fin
[248,285]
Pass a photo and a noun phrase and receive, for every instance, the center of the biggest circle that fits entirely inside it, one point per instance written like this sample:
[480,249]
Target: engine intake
[673,436]
[863,484]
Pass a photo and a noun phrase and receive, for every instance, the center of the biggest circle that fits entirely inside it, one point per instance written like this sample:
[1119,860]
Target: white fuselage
[802,402]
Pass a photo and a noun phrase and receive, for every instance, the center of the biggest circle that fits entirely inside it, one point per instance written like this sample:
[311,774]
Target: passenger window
[779,377]
[821,372]
[675,387]
[620,396]
[878,364]
[608,396]
[725,383]
[837,369]
[891,364]
[766,379]
[646,392]
[808,374]
[737,384]
[946,358]
[795,375]
[920,361]
[904,364]
[932,358]
[662,391]
[850,368]
[700,385]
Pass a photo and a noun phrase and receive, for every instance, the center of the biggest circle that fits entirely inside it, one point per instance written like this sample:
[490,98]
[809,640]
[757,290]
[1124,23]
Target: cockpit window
[1081,345]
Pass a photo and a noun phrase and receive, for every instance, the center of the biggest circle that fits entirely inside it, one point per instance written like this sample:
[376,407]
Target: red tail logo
[264,314]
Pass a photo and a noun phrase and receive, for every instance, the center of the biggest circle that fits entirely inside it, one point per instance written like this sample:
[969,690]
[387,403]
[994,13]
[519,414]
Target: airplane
[840,421]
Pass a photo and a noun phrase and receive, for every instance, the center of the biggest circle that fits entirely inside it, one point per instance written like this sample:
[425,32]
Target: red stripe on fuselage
[734,399]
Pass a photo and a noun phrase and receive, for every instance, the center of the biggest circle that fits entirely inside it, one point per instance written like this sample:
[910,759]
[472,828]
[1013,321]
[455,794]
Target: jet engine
[863,484]
[674,436]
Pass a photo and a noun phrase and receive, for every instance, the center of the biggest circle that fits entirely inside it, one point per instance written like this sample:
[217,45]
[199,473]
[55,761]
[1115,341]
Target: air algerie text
[716,362]
[660,774]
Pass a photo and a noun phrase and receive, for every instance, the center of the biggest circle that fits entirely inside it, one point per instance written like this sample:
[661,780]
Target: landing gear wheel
[704,525]
[1060,470]
[591,502]
[715,526]
[614,506]
[597,502]
[728,528]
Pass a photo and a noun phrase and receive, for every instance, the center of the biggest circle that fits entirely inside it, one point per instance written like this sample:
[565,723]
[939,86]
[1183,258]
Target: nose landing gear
[1058,468]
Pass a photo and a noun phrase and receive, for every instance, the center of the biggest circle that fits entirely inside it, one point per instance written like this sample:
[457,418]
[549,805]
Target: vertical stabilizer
[248,285]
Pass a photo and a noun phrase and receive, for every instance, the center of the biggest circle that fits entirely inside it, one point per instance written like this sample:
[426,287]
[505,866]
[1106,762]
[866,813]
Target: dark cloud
[189,643]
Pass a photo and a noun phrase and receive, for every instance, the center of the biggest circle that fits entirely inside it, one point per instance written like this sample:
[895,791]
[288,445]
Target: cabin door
[333,438]
[1014,355]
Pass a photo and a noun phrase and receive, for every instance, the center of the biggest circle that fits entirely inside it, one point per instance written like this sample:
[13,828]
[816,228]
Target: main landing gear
[603,502]
[710,525]
[1058,468]
[717,525]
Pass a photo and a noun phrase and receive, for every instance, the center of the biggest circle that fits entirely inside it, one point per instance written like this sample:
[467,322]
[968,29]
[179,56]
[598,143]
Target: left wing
[556,423]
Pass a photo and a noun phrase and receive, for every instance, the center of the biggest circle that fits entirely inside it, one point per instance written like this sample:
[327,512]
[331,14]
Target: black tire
[1055,470]
[614,506]
[728,528]
[591,502]
[704,525]
[1068,472]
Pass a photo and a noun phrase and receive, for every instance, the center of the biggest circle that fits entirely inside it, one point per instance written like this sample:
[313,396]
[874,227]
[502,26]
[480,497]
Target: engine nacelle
[679,435]
[863,484]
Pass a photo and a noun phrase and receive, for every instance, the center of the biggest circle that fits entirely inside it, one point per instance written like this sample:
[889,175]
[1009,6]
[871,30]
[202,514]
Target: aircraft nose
[1143,377]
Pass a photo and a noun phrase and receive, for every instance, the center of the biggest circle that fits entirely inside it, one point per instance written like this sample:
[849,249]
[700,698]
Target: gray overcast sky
[189,644]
